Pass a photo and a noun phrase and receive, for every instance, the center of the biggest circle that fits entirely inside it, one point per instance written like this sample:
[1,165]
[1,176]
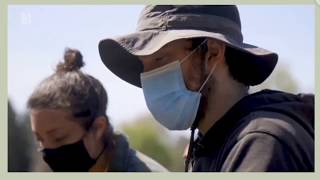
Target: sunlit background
[38,35]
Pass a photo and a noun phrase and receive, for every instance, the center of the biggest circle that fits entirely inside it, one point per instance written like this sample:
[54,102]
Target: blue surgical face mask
[168,99]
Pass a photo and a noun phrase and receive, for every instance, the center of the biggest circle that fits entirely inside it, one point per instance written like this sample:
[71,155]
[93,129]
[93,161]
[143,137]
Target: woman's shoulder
[141,162]
[126,159]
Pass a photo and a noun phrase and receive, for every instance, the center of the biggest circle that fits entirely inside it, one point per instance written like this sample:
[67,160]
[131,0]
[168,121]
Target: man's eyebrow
[164,53]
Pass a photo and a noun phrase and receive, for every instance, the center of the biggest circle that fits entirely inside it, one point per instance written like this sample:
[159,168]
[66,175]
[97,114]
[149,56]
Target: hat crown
[223,19]
[227,11]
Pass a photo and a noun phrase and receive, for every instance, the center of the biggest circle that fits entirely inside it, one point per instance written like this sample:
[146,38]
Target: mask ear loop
[102,151]
[208,77]
[86,133]
[194,50]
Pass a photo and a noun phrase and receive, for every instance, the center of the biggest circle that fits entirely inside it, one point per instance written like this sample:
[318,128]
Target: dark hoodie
[265,131]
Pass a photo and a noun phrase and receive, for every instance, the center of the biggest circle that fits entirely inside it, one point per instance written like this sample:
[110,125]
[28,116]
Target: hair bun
[73,61]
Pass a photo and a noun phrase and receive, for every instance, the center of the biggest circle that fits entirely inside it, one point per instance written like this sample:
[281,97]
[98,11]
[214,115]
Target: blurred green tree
[148,137]
[19,142]
[280,79]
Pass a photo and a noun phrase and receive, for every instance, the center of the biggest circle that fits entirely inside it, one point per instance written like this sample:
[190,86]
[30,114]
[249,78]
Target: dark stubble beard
[203,105]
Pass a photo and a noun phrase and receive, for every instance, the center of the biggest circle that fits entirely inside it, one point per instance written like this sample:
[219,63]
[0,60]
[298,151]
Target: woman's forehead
[51,113]
[48,119]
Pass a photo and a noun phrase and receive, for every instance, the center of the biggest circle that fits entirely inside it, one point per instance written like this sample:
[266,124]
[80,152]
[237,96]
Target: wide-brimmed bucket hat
[161,24]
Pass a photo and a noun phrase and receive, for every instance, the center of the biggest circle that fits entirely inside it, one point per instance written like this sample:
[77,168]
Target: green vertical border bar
[140,176]
[317,85]
[160,2]
[4,84]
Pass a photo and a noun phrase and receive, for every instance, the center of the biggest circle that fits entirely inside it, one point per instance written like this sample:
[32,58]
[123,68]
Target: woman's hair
[235,61]
[71,89]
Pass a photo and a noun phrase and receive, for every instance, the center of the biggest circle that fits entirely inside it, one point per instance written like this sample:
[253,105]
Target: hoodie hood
[298,107]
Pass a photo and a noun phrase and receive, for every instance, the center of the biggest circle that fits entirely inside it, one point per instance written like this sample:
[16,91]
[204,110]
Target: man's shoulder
[272,138]
[276,124]
[282,128]
[266,122]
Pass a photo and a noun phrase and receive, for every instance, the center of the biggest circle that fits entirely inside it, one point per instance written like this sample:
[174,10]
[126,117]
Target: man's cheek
[193,84]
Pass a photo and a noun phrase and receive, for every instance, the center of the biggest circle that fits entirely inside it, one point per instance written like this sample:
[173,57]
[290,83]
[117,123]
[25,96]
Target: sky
[38,35]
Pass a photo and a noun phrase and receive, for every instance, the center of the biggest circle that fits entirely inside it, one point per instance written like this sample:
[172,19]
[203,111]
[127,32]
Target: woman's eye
[59,139]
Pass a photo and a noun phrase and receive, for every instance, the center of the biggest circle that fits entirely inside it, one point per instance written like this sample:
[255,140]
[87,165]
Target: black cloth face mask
[69,158]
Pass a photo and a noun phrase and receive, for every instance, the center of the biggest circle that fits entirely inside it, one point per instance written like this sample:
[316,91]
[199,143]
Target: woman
[68,117]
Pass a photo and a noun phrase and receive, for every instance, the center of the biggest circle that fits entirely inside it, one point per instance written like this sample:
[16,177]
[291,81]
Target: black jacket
[265,131]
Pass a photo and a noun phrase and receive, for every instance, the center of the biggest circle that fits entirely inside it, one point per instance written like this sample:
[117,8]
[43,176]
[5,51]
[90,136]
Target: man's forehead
[173,46]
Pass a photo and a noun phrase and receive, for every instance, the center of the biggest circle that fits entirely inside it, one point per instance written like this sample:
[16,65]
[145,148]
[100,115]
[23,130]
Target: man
[195,72]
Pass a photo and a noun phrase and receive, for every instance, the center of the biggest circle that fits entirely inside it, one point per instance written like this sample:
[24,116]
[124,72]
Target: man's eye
[160,59]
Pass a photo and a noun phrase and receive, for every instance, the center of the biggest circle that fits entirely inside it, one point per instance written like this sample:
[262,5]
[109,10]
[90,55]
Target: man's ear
[100,126]
[216,50]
